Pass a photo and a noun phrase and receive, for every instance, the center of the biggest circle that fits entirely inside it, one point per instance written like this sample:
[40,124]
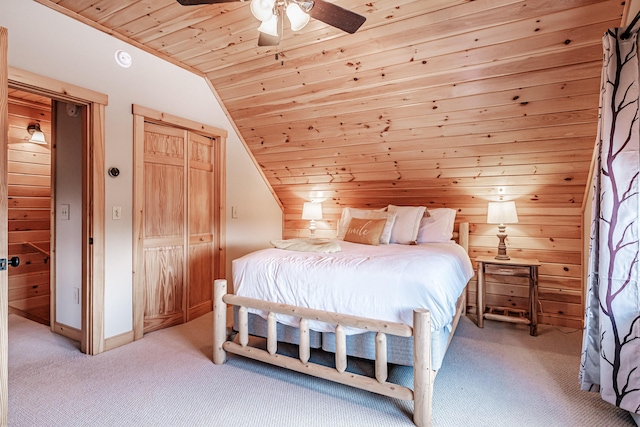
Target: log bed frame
[424,375]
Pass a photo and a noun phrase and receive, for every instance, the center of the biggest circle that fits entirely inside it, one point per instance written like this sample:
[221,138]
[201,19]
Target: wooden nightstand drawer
[507,270]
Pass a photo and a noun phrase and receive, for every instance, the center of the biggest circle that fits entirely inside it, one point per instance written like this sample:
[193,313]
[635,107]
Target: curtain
[611,341]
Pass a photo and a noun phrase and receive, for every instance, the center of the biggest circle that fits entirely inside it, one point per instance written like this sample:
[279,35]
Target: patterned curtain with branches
[611,342]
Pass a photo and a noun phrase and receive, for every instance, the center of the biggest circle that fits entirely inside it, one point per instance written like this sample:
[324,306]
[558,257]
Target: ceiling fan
[270,12]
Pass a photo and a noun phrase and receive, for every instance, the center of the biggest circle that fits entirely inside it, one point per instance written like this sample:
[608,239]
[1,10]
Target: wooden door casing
[4,300]
[201,241]
[91,336]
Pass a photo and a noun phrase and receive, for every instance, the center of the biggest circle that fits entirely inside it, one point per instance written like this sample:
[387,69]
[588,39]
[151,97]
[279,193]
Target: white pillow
[405,228]
[438,226]
[348,213]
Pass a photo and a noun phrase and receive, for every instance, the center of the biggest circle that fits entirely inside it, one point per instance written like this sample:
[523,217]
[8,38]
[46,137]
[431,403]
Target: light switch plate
[64,212]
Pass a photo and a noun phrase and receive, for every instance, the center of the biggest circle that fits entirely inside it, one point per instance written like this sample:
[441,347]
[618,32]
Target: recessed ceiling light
[123,59]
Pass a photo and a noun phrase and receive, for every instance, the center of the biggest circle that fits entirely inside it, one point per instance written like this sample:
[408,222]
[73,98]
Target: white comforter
[383,282]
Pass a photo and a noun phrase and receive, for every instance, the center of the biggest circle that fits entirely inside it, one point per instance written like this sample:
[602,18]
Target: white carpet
[496,376]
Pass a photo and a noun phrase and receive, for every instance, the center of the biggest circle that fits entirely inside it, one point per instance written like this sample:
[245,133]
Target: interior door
[157,219]
[165,226]
[4,252]
[201,225]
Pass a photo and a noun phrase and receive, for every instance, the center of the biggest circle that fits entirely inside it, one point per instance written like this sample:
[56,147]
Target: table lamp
[312,211]
[502,213]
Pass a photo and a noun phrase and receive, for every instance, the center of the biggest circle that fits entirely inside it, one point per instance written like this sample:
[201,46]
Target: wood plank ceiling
[437,103]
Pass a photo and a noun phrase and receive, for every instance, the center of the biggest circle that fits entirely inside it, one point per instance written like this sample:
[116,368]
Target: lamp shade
[312,210]
[37,136]
[270,26]
[502,213]
[297,17]
[262,9]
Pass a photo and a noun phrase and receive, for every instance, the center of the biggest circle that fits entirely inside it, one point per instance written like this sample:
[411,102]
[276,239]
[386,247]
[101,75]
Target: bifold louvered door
[177,225]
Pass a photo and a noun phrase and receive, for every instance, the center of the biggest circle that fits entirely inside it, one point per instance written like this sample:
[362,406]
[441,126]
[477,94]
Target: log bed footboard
[423,374]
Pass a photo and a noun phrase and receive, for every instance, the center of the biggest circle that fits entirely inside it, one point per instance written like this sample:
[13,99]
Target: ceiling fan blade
[336,16]
[265,39]
[200,2]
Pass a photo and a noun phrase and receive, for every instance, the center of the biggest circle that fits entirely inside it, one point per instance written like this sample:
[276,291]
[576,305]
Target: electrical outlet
[64,212]
[234,212]
[76,295]
[117,212]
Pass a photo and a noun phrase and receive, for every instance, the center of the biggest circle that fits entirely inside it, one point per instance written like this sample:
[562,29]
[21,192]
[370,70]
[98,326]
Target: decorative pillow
[349,213]
[307,245]
[407,223]
[365,231]
[438,227]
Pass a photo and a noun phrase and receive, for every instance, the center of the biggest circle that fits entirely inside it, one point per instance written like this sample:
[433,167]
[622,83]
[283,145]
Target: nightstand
[520,267]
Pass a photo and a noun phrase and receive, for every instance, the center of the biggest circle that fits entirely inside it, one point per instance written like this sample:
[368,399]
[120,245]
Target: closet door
[201,225]
[178,218]
[164,226]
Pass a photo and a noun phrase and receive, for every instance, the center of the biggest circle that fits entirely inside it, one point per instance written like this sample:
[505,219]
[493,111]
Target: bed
[341,302]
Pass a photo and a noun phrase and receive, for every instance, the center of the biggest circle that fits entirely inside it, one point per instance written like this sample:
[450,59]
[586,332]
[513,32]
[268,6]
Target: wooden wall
[29,179]
[554,238]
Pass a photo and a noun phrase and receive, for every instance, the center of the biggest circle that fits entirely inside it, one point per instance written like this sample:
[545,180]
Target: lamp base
[312,229]
[502,247]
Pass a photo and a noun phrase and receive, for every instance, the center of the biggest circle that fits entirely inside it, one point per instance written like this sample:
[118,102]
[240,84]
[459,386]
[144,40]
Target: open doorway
[45,200]
[29,201]
[87,205]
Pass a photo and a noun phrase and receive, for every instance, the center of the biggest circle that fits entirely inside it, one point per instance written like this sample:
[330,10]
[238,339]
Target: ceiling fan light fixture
[270,26]
[262,9]
[297,17]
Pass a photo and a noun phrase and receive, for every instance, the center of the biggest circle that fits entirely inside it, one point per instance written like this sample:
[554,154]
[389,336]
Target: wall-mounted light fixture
[37,136]
[312,211]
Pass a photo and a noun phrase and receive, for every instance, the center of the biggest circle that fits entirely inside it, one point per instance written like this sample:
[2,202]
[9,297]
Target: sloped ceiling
[441,102]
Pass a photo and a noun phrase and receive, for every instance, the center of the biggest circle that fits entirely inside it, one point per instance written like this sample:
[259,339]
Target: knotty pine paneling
[553,239]
[29,188]
[440,103]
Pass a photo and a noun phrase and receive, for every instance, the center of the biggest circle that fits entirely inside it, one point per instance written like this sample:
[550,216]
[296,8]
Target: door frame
[140,115]
[4,233]
[93,170]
